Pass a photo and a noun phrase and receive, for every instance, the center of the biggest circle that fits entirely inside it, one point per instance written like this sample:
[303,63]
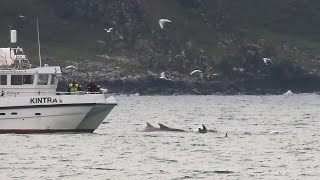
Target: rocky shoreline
[157,86]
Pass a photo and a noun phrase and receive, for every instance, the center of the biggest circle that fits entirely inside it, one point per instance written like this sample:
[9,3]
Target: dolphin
[162,127]
[150,128]
[166,128]
[205,130]
[212,130]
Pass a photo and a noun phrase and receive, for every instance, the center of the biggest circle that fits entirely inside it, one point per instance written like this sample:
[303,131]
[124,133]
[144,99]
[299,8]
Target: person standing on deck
[74,87]
[92,87]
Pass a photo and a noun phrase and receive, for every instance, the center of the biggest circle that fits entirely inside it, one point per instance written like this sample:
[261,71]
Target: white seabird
[163,21]
[195,71]
[108,30]
[71,67]
[288,92]
[21,16]
[163,76]
[265,60]
[101,42]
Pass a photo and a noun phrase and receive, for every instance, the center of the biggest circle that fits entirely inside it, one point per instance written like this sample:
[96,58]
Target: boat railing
[105,92]
[77,93]
[15,94]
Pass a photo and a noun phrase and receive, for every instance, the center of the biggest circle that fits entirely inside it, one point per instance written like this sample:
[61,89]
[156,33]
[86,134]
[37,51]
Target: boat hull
[54,118]
[43,131]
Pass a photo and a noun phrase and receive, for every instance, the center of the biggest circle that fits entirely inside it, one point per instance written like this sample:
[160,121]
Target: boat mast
[39,42]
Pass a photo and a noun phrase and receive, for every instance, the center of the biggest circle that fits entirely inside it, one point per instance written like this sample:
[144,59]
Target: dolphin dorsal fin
[149,125]
[163,126]
[203,127]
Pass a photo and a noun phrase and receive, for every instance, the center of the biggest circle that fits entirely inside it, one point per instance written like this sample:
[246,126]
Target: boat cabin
[17,77]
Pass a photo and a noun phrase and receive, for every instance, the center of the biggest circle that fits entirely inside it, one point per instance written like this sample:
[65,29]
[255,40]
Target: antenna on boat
[39,42]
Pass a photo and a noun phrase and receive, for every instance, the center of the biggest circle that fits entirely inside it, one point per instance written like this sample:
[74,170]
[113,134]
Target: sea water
[269,137]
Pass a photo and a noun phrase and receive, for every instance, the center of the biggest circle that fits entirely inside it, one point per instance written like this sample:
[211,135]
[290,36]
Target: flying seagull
[21,16]
[163,21]
[265,60]
[71,67]
[101,42]
[108,30]
[195,71]
[163,76]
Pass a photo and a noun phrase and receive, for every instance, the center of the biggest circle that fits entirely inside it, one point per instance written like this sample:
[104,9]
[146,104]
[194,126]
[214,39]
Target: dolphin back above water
[150,128]
[165,128]
[204,130]
[162,127]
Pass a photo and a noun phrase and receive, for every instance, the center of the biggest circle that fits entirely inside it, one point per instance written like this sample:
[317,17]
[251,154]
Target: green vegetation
[209,31]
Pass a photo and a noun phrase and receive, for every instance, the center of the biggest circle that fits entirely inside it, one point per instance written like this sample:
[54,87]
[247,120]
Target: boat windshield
[43,79]
[21,79]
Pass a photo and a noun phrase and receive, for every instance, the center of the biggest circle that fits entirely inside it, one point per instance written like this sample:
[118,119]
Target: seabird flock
[162,23]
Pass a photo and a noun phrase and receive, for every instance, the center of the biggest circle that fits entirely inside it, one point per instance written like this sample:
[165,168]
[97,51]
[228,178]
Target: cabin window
[38,114]
[14,113]
[21,79]
[53,79]
[27,79]
[16,79]
[43,79]
[3,79]
[2,113]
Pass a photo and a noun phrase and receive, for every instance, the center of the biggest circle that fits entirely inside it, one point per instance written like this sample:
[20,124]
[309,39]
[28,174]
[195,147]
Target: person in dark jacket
[92,87]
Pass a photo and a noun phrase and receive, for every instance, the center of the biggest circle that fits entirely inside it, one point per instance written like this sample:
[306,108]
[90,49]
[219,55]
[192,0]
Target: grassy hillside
[60,38]
[203,32]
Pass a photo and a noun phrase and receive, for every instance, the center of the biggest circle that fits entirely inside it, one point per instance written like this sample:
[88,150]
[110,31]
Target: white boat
[30,103]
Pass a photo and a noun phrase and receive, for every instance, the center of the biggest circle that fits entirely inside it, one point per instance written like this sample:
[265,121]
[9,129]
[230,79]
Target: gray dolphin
[150,128]
[165,128]
[205,130]
[162,127]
